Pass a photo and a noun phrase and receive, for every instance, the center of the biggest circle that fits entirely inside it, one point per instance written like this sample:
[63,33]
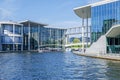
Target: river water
[56,66]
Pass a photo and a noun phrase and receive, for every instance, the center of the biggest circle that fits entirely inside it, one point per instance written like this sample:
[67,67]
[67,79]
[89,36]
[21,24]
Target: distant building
[105,25]
[29,35]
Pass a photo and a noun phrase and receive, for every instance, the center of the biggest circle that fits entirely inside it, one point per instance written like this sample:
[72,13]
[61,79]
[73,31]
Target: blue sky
[56,13]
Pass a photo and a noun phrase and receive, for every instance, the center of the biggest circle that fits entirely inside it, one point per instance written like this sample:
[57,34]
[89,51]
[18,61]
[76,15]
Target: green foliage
[76,46]
[76,40]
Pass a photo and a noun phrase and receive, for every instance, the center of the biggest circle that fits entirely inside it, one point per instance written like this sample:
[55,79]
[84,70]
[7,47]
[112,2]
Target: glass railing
[116,23]
[113,48]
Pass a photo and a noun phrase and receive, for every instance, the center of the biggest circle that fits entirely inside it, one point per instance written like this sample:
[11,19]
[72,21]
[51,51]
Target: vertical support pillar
[68,39]
[29,36]
[38,36]
[56,38]
[22,37]
[76,30]
[13,37]
[65,39]
[58,45]
[83,34]
[0,37]
[87,30]
[40,40]
[50,38]
[90,35]
[63,43]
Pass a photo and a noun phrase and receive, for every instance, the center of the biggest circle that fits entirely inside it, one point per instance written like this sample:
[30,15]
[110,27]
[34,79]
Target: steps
[99,46]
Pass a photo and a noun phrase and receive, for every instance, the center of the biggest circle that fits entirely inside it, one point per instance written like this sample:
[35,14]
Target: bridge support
[83,45]
[85,32]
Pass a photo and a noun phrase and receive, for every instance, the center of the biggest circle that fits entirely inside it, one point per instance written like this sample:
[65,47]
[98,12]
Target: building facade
[29,35]
[105,21]
[11,36]
[103,18]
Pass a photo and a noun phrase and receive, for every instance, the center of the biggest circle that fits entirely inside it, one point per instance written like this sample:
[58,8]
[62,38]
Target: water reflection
[56,66]
[113,70]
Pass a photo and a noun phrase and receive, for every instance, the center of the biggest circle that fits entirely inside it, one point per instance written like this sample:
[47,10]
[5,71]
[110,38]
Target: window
[7,28]
[18,29]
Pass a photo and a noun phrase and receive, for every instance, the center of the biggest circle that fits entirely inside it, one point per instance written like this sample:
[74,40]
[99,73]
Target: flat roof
[52,27]
[9,22]
[26,21]
[102,2]
[85,11]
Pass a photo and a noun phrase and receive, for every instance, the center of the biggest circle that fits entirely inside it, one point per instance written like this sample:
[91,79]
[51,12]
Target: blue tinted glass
[18,39]
[103,17]
[7,39]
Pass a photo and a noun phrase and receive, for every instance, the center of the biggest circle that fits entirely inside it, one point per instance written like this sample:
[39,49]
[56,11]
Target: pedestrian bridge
[75,44]
[82,31]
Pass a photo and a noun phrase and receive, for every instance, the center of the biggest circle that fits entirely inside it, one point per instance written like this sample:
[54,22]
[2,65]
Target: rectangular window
[18,29]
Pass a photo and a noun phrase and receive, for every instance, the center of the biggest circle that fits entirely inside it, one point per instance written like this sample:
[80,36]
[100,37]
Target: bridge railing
[77,30]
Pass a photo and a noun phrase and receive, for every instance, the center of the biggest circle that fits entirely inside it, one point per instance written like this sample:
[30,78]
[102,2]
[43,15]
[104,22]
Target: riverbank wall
[111,56]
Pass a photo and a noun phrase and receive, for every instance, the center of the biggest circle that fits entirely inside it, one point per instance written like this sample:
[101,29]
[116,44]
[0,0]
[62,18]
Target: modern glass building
[29,35]
[11,36]
[105,22]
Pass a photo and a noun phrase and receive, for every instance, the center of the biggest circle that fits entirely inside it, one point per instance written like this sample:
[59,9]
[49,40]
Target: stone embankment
[110,56]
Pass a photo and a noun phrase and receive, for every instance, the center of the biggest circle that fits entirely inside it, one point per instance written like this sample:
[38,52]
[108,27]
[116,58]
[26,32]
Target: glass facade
[103,18]
[41,37]
[30,36]
[18,29]
[25,37]
[7,39]
[11,37]
[7,29]
[34,37]
[51,37]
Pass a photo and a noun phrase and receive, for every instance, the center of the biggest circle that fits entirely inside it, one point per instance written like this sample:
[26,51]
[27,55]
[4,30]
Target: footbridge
[75,44]
[83,32]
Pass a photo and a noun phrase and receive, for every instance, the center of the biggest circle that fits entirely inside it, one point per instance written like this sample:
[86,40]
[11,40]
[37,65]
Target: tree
[76,40]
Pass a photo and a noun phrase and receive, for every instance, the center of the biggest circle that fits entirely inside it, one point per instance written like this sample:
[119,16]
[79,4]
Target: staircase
[99,46]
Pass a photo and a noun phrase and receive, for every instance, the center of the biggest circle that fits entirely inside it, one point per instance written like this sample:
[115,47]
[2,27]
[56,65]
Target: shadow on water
[56,66]
[113,70]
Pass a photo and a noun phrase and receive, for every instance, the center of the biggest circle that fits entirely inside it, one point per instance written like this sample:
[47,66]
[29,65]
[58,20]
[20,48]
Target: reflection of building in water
[107,24]
[113,70]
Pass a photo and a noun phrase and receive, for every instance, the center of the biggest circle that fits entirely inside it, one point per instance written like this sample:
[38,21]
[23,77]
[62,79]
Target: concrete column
[87,29]
[13,37]
[68,39]
[76,30]
[57,38]
[50,36]
[83,33]
[90,36]
[65,39]
[40,43]
[29,36]
[22,37]
[38,36]
[70,30]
